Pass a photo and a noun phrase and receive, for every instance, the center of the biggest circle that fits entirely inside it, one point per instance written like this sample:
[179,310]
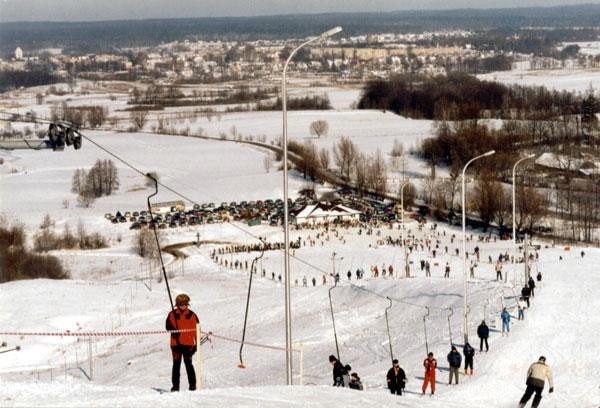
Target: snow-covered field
[577,80]
[115,290]
[560,325]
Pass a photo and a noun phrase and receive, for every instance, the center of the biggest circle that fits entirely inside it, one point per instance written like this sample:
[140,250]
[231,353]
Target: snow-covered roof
[320,210]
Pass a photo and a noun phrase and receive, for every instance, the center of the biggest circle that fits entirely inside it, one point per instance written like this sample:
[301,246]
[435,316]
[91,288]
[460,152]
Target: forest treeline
[458,96]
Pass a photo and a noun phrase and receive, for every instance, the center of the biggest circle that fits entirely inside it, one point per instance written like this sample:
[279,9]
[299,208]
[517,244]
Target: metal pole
[387,323]
[337,348]
[91,358]
[449,325]
[525,243]
[286,231]
[464,254]
[404,184]
[514,206]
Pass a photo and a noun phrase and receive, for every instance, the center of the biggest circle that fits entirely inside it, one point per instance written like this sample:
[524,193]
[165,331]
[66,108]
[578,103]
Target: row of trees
[102,179]
[459,96]
[17,262]
[47,239]
[91,116]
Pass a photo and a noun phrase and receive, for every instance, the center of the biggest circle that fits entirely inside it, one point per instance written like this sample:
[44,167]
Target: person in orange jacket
[183,344]
[430,365]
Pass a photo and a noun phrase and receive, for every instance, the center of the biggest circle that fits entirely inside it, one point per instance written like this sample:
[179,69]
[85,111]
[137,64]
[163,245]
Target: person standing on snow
[531,284]
[505,316]
[396,378]
[526,292]
[447,271]
[469,353]
[430,365]
[184,343]
[483,332]
[498,270]
[454,360]
[536,376]
[521,305]
[338,371]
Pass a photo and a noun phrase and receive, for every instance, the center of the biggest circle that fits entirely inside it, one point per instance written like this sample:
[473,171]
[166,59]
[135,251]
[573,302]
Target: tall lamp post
[404,184]
[464,254]
[286,262]
[514,203]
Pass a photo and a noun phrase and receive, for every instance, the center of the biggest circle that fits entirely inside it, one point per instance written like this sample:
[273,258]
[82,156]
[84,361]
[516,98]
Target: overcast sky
[82,10]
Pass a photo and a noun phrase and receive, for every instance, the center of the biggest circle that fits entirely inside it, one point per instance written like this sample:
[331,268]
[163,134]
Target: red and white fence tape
[207,335]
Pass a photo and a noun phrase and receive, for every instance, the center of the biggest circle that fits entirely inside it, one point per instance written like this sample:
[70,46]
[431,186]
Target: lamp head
[331,32]
[489,153]
[531,156]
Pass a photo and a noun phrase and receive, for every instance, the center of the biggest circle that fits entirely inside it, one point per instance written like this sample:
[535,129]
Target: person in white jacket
[536,377]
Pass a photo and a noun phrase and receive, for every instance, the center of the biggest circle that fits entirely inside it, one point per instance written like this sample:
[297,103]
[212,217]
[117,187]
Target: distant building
[168,206]
[18,53]
[322,212]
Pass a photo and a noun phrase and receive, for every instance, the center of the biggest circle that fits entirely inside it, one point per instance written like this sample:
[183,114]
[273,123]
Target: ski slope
[560,325]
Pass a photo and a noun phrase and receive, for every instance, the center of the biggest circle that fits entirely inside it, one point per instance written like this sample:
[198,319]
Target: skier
[469,353]
[521,305]
[539,277]
[483,332]
[183,344]
[304,281]
[349,275]
[536,376]
[447,272]
[338,371]
[422,264]
[430,365]
[505,316]
[498,270]
[314,281]
[531,284]
[396,378]
[525,292]
[355,382]
[454,360]
[427,269]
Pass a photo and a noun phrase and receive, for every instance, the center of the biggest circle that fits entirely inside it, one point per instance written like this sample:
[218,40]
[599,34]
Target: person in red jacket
[430,365]
[183,344]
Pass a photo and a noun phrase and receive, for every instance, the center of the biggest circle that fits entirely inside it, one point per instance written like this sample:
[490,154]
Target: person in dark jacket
[396,378]
[526,292]
[355,382]
[531,285]
[454,360]
[338,371]
[183,344]
[469,353]
[483,332]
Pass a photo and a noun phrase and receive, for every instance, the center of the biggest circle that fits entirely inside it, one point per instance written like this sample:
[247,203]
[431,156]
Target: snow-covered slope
[560,325]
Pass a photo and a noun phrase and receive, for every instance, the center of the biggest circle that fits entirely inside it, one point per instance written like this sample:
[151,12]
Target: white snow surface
[575,80]
[560,325]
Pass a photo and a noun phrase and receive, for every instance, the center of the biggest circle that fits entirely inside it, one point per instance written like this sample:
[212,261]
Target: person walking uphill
[183,344]
[536,376]
[396,378]
[483,332]
[454,360]
[505,316]
[338,371]
[469,353]
[430,365]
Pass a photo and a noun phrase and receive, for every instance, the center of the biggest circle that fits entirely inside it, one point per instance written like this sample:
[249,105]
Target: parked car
[135,226]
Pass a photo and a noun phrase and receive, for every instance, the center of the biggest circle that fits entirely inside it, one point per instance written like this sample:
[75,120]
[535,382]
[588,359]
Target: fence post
[198,358]
[301,363]
[90,358]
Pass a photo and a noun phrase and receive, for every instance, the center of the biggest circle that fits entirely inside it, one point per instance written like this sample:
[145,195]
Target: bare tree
[344,153]
[319,127]
[139,119]
[144,243]
[377,173]
[268,162]
[359,173]
[324,158]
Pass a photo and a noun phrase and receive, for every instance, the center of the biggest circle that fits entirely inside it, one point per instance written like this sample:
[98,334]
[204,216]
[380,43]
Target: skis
[160,390]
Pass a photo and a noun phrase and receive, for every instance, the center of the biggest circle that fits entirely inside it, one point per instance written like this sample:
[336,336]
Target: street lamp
[404,184]
[286,261]
[464,229]
[514,204]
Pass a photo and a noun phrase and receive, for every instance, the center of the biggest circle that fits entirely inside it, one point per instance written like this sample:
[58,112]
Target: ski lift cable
[162,264]
[337,348]
[388,328]
[252,267]
[185,197]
